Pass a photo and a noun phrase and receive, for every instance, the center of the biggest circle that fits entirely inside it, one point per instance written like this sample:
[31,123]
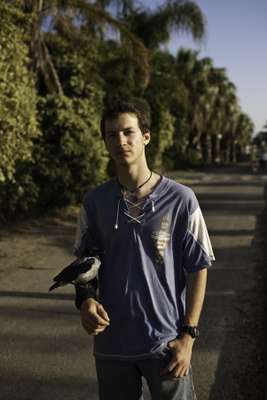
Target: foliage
[74,18]
[19,195]
[163,126]
[18,120]
[78,55]
[154,28]
[18,123]
[209,114]
[70,155]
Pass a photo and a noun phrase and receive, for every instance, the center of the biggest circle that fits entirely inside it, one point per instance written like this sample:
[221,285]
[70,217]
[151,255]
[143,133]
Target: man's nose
[121,138]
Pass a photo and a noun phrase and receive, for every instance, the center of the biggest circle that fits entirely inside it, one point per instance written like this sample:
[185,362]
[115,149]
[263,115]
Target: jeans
[122,380]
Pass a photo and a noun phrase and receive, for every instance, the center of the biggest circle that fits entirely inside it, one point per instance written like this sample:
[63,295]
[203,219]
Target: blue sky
[236,40]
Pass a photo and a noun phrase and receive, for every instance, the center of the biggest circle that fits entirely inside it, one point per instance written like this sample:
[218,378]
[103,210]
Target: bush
[70,155]
[18,116]
[161,137]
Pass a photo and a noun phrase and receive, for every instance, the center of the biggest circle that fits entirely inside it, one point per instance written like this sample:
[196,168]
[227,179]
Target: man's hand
[93,317]
[181,357]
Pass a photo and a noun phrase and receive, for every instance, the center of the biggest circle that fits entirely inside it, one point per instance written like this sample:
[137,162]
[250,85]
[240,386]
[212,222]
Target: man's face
[125,140]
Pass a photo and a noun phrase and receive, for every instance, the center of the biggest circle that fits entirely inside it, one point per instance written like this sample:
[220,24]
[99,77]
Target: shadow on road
[50,387]
[37,295]
[236,300]
[46,357]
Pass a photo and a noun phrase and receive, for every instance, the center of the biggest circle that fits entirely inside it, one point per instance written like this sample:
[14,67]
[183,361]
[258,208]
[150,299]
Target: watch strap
[193,331]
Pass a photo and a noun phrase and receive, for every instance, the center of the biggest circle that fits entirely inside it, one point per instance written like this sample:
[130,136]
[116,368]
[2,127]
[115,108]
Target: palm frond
[53,11]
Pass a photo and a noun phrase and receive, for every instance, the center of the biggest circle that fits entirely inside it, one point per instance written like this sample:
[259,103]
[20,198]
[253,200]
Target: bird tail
[54,286]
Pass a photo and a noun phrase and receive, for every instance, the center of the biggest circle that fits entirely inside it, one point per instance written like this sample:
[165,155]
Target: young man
[155,251]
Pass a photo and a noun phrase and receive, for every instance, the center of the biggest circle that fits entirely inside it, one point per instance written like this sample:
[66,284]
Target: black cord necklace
[138,187]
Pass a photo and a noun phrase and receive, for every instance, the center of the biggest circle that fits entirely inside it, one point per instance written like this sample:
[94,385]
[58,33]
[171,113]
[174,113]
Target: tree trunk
[216,148]
[206,149]
[233,152]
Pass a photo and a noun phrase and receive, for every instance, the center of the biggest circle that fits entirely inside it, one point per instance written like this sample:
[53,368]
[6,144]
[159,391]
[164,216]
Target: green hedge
[18,114]
[70,155]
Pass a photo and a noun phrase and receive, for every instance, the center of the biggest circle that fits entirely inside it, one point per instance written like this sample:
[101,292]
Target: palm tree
[194,73]
[231,115]
[243,134]
[223,119]
[155,28]
[123,7]
[212,109]
[120,71]
[71,15]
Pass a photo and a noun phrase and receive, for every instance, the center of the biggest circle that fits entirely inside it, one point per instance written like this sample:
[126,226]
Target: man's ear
[146,136]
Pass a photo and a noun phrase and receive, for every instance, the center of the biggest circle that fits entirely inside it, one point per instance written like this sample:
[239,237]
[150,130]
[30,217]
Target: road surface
[44,352]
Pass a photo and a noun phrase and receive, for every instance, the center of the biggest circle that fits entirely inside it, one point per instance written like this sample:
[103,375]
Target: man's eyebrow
[111,131]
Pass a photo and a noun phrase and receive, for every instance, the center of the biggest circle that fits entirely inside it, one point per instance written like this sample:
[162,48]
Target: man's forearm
[195,293]
[84,292]
[182,347]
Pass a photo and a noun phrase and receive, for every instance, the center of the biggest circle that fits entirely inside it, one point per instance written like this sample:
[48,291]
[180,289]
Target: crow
[80,271]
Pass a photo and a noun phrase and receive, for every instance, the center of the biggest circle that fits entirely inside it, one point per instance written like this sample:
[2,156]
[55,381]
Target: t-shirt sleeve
[197,249]
[86,244]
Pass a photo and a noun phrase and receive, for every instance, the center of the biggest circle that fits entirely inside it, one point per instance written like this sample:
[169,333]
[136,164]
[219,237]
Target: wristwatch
[193,331]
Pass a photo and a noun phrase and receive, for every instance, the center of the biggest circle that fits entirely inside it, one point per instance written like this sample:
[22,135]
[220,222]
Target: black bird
[81,270]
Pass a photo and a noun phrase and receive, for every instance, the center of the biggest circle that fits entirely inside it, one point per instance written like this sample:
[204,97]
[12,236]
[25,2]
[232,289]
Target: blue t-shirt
[142,278]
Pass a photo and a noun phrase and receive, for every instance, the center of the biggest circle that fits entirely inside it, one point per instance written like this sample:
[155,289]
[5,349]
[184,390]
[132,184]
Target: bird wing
[70,273]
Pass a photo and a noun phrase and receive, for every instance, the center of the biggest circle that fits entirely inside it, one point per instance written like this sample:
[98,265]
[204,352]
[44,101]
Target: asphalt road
[44,353]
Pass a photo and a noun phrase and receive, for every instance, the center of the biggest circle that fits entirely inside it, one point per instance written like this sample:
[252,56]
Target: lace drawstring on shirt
[131,219]
[116,226]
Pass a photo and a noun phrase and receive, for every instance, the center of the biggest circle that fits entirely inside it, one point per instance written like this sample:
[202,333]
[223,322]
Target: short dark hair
[112,111]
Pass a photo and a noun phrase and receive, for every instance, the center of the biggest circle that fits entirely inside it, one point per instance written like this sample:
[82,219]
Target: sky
[236,40]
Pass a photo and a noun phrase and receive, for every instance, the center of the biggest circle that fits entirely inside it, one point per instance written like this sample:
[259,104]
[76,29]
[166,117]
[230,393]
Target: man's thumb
[102,312]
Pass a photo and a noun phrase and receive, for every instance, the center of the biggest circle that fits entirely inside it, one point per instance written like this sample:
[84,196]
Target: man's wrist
[191,330]
[84,293]
[86,301]
[186,340]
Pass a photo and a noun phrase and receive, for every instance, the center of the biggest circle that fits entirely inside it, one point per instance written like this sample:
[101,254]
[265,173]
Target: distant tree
[192,72]
[160,94]
[243,134]
[211,116]
[261,136]
[230,112]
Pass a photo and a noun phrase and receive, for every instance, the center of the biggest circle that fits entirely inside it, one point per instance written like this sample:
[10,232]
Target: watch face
[195,332]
